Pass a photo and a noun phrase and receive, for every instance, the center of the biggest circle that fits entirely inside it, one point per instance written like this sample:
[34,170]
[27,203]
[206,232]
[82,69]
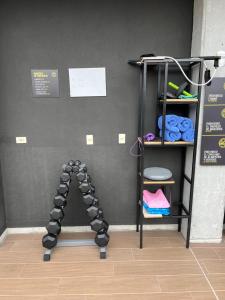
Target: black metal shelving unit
[162,67]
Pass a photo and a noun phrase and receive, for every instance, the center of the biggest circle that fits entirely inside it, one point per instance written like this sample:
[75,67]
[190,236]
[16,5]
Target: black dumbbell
[65,177]
[83,167]
[49,241]
[60,201]
[102,238]
[93,211]
[81,176]
[85,187]
[77,163]
[54,227]
[63,188]
[89,199]
[71,163]
[67,168]
[99,224]
[57,214]
[75,169]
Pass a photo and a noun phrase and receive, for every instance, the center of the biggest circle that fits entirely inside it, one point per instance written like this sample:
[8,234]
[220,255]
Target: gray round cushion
[157,173]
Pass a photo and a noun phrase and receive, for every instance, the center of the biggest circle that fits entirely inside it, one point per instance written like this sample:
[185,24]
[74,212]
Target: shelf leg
[188,232]
[138,217]
[141,236]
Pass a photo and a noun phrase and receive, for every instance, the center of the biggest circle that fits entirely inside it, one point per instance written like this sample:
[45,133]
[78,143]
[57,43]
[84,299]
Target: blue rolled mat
[171,136]
[156,211]
[171,123]
[188,136]
[184,124]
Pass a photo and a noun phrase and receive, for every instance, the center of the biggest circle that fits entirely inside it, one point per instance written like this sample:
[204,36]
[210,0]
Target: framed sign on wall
[45,83]
[213,129]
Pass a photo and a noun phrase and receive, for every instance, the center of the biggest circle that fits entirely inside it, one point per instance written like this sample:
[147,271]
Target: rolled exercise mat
[171,122]
[171,136]
[184,124]
[188,135]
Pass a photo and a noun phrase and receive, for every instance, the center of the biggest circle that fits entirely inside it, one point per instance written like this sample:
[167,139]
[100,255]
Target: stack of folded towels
[177,128]
[156,203]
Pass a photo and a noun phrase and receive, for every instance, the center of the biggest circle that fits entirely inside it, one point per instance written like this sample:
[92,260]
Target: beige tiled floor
[164,269]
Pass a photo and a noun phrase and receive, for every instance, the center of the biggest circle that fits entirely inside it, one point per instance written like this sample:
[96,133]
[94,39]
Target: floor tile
[22,237]
[108,285]
[217,281]
[163,254]
[220,252]
[29,286]
[30,297]
[26,246]
[153,296]
[208,245]
[221,295]
[214,265]
[203,296]
[157,268]
[10,270]
[20,257]
[204,253]
[76,254]
[183,283]
[78,269]
[6,245]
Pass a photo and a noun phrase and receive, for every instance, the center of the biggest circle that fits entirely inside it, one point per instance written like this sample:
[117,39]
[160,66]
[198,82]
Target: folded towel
[171,122]
[155,200]
[184,124]
[188,136]
[171,136]
[156,211]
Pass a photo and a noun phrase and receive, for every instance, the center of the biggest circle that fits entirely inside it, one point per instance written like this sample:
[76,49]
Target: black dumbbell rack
[98,224]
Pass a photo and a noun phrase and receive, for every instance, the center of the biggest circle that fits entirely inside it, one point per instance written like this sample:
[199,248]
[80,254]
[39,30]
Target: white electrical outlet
[21,139]
[122,138]
[89,139]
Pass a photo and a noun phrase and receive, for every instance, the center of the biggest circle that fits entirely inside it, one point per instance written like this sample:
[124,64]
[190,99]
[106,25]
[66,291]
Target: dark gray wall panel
[2,206]
[63,34]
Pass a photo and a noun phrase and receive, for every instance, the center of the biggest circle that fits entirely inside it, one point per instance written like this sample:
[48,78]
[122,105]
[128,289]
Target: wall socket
[122,138]
[89,139]
[21,139]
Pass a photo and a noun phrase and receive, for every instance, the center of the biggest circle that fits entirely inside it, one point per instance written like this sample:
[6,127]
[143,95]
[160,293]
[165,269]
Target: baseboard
[27,230]
[3,235]
[206,241]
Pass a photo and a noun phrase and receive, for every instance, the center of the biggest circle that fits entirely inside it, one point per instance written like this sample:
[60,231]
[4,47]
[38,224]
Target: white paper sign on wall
[87,82]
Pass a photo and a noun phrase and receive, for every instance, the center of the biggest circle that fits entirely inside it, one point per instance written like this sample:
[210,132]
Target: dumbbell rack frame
[75,243]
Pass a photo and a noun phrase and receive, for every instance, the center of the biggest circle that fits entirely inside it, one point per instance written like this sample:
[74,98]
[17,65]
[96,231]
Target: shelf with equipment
[159,142]
[180,101]
[162,67]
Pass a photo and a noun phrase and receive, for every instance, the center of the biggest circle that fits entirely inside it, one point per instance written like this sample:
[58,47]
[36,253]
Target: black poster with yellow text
[213,130]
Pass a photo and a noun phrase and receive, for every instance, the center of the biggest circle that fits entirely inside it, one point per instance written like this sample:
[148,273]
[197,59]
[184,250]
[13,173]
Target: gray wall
[208,215]
[63,34]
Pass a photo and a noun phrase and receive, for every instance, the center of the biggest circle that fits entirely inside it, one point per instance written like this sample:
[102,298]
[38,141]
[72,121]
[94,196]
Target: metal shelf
[158,182]
[162,67]
[186,214]
[180,101]
[159,142]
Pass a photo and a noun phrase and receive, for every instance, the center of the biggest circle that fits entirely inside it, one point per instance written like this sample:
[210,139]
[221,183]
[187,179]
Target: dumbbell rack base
[74,243]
